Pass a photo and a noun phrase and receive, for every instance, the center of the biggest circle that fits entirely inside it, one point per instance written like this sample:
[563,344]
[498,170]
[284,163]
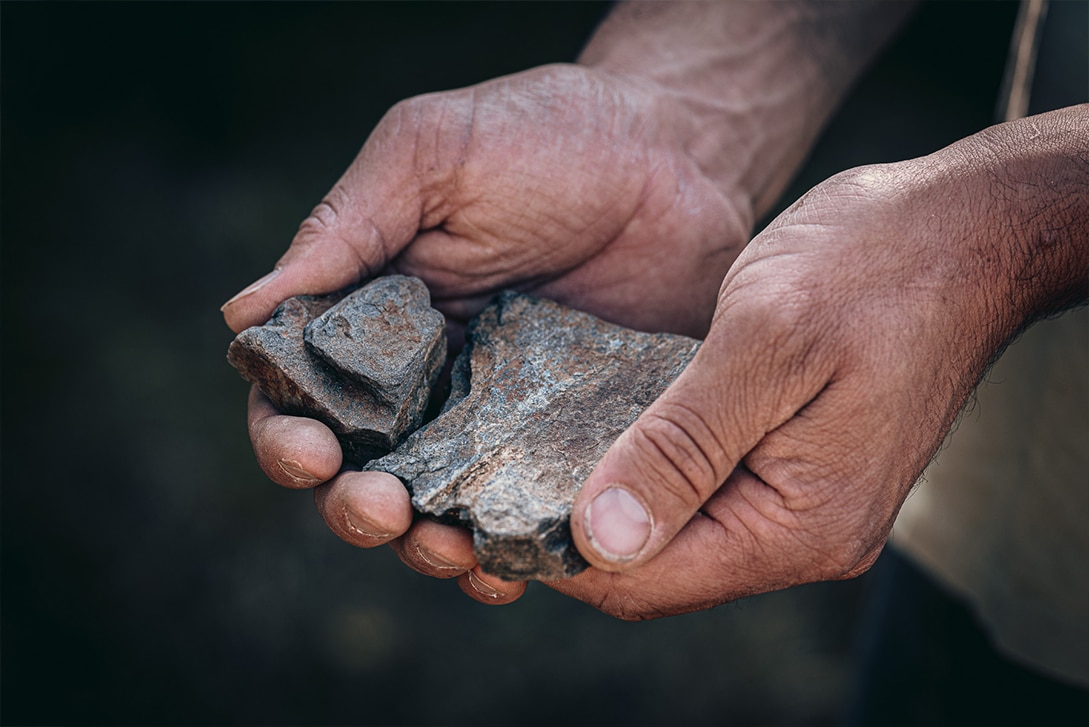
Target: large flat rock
[539,393]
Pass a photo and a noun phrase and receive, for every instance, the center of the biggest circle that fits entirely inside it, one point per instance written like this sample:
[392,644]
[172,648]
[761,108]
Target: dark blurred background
[158,157]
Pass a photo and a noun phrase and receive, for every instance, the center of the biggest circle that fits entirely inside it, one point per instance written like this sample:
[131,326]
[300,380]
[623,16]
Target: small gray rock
[538,394]
[369,410]
[388,338]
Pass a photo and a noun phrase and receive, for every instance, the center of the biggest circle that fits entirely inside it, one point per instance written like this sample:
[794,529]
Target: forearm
[750,84]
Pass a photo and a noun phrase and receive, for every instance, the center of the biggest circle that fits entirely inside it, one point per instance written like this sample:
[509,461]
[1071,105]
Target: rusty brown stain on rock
[539,393]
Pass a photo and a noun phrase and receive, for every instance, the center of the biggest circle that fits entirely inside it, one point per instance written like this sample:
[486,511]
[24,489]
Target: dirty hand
[561,181]
[625,186]
[847,337]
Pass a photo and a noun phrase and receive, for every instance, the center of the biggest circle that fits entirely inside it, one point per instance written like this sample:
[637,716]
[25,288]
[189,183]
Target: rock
[388,338]
[364,364]
[538,394]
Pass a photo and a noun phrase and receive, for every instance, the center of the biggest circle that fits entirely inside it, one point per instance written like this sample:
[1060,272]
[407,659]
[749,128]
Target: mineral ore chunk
[364,364]
[539,393]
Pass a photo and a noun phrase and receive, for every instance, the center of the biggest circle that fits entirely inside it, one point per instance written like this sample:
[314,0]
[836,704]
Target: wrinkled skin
[562,181]
[792,453]
[845,338]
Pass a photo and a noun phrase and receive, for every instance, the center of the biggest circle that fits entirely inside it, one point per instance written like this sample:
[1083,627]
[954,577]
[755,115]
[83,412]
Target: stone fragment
[538,394]
[389,339]
[370,408]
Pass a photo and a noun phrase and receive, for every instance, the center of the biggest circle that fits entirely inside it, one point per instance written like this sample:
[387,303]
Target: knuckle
[321,220]
[428,121]
[402,120]
[847,193]
[322,224]
[333,226]
[428,136]
[793,343]
[670,449]
[772,309]
[325,218]
[683,452]
[862,183]
[406,112]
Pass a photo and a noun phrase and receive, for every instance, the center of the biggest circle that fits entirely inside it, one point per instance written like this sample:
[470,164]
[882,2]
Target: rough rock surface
[539,393]
[364,364]
[388,338]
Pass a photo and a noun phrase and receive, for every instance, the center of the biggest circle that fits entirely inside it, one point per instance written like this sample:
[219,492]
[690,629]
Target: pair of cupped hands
[832,366]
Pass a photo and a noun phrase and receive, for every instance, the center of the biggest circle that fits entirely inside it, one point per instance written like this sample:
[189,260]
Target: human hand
[625,191]
[567,182]
[563,181]
[847,338]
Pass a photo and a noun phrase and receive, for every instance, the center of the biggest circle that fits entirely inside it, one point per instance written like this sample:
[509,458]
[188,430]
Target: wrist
[747,87]
[1004,216]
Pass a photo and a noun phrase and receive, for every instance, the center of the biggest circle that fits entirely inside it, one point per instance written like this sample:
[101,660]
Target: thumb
[369,216]
[683,447]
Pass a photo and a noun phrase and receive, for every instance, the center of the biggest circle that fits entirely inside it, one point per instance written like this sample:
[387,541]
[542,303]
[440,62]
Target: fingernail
[296,471]
[617,525]
[252,288]
[436,561]
[481,587]
[362,526]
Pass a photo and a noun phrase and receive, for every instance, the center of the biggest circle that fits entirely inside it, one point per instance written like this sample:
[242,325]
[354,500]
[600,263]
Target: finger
[293,451]
[365,508]
[437,550]
[493,591]
[370,215]
[745,381]
[743,541]
[700,567]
